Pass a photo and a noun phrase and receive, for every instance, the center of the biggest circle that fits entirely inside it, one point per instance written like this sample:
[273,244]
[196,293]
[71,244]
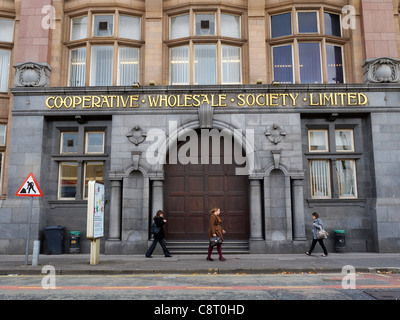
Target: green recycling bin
[74,242]
[340,240]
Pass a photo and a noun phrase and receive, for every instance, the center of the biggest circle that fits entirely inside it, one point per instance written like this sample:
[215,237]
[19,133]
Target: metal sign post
[30,188]
[29,232]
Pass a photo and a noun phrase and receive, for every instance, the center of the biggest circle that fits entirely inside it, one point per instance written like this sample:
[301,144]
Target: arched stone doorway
[191,190]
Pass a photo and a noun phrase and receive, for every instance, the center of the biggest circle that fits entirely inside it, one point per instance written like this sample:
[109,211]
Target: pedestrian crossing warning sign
[29,188]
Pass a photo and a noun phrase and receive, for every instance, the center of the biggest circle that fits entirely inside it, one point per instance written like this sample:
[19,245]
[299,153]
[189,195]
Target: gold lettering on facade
[97,102]
[77,101]
[294,98]
[333,99]
[134,98]
[362,99]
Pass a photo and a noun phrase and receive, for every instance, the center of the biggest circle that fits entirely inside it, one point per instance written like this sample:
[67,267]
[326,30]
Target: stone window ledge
[67,203]
[335,202]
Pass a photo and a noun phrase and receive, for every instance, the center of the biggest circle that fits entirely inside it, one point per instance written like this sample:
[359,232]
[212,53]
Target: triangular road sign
[29,188]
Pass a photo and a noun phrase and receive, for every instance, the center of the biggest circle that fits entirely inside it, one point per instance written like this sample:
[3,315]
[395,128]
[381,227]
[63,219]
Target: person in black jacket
[159,237]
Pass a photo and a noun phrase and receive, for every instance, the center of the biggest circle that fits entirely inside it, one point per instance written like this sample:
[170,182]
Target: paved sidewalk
[190,264]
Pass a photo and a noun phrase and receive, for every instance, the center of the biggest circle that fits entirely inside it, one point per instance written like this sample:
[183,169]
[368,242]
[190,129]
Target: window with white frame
[79,28]
[77,67]
[6,30]
[69,142]
[67,180]
[95,64]
[344,140]
[74,175]
[3,129]
[230,25]
[282,60]
[179,26]
[332,157]
[129,27]
[306,49]
[6,44]
[94,142]
[205,24]
[318,140]
[281,25]
[1,171]
[346,177]
[179,65]
[205,64]
[208,52]
[320,179]
[103,25]
[310,62]
[128,65]
[92,171]
[4,69]
[231,58]
[332,24]
[101,66]
[334,62]
[307,21]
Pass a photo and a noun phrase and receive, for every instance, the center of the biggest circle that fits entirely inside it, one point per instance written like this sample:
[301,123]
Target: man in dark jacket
[159,237]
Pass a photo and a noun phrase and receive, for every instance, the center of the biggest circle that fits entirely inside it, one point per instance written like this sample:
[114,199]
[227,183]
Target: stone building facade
[269,110]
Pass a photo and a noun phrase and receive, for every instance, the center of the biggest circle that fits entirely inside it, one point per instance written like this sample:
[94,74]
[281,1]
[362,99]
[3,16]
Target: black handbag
[154,229]
[214,241]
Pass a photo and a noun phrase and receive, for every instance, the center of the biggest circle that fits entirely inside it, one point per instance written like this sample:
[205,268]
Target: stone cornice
[353,87]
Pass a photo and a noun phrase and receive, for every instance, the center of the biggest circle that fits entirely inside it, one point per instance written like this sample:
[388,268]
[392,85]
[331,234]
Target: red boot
[220,253]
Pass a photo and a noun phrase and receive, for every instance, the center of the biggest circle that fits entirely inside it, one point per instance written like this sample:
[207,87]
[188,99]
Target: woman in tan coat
[214,230]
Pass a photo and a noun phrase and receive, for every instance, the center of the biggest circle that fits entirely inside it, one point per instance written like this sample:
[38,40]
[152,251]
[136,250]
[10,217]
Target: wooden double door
[192,190]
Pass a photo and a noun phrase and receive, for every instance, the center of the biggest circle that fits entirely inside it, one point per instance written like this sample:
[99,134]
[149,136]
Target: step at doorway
[201,247]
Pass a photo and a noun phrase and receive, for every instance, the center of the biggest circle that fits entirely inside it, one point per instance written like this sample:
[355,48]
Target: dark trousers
[321,242]
[153,246]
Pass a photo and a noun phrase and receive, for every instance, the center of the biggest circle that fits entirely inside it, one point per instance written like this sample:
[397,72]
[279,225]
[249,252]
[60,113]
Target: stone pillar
[34,32]
[298,209]
[154,42]
[115,211]
[256,41]
[380,38]
[34,43]
[378,28]
[255,210]
[157,199]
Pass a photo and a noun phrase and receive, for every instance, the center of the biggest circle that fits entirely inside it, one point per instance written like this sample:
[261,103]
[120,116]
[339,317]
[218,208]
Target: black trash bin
[74,242]
[340,240]
[55,240]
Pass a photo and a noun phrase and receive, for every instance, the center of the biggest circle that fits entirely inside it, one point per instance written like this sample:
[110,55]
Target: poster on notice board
[95,210]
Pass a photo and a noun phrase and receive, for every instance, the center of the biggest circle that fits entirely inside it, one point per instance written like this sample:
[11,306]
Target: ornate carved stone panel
[381,70]
[137,135]
[32,74]
[275,134]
